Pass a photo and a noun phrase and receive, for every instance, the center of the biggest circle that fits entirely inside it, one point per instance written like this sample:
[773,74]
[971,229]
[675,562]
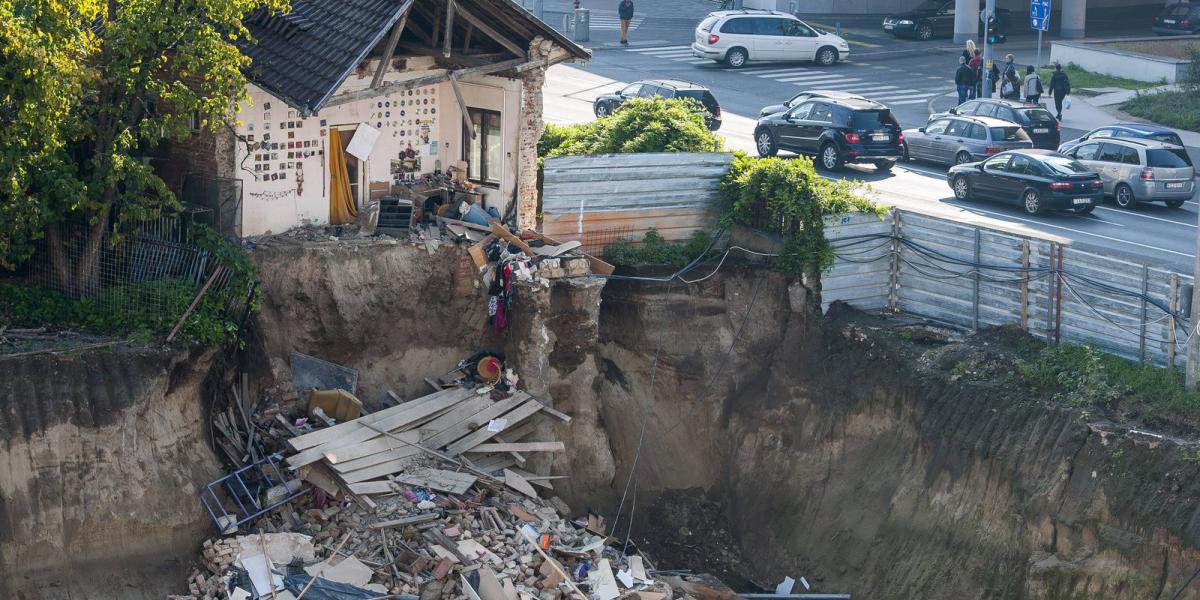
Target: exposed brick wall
[530,132]
[207,152]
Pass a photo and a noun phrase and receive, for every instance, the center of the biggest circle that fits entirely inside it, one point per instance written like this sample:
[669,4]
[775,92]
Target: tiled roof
[303,56]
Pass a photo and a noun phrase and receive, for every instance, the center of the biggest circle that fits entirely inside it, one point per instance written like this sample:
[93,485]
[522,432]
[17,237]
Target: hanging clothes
[342,209]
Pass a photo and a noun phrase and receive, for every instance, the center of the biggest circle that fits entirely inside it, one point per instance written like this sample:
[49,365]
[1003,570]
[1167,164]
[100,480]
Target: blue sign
[1039,14]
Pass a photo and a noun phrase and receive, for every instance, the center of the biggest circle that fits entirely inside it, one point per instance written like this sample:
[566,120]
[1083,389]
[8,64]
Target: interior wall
[487,93]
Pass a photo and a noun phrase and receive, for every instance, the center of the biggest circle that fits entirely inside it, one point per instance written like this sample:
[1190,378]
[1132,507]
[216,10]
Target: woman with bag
[1012,82]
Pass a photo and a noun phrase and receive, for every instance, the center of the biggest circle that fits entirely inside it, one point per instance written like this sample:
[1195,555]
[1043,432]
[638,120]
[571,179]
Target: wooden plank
[409,520]
[377,471]
[503,233]
[404,452]
[375,446]
[439,479]
[482,435]
[592,221]
[478,254]
[518,483]
[453,417]
[479,419]
[488,31]
[448,39]
[401,419]
[628,214]
[390,48]
[421,81]
[561,416]
[491,464]
[520,447]
[371,487]
[316,438]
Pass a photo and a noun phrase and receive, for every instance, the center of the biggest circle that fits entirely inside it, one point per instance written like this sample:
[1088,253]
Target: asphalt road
[911,78]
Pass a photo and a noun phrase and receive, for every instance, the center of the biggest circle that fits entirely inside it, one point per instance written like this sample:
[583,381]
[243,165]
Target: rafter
[390,47]
[488,31]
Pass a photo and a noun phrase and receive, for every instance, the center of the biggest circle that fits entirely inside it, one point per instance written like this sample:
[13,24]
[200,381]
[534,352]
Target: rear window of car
[1008,134]
[708,22]
[870,119]
[1037,116]
[1167,138]
[743,25]
[1178,10]
[1172,158]
[1064,166]
[703,96]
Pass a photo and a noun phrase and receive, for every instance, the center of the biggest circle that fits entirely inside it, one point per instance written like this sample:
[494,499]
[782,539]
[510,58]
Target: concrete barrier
[1097,58]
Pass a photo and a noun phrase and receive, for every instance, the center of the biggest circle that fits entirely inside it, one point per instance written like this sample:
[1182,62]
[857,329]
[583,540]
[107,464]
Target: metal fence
[974,276]
[215,201]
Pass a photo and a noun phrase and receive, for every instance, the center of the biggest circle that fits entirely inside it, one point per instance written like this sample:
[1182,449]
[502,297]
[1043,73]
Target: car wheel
[765,142]
[827,56]
[736,58]
[884,165]
[603,110]
[904,155]
[1124,196]
[962,158]
[924,32]
[962,188]
[1084,210]
[1174,203]
[829,157]
[1031,201]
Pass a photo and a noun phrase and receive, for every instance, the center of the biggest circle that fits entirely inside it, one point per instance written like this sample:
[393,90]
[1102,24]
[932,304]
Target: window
[1022,165]
[1009,134]
[194,121]
[987,110]
[937,127]
[708,22]
[1167,138]
[822,113]
[957,127]
[1109,153]
[1087,152]
[1062,165]
[631,90]
[798,29]
[870,119]
[1101,133]
[969,108]
[1006,113]
[484,150]
[1129,156]
[743,25]
[1172,158]
[1039,117]
[649,91]
[977,132]
[800,113]
[1000,163]
[773,27]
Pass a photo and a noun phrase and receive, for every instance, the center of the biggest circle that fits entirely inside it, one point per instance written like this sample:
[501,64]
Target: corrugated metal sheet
[674,193]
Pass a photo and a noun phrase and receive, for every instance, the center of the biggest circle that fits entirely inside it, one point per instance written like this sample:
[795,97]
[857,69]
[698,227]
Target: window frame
[484,175]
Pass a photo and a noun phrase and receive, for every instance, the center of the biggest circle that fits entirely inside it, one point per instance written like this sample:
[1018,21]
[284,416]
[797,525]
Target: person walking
[994,75]
[1032,86]
[1060,88]
[1011,88]
[625,12]
[964,79]
[976,65]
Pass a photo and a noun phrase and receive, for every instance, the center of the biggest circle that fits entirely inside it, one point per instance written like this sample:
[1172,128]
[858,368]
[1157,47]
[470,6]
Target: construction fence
[976,276]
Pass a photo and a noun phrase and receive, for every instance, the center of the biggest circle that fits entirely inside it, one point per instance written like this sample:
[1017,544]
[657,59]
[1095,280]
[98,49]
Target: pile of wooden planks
[470,431]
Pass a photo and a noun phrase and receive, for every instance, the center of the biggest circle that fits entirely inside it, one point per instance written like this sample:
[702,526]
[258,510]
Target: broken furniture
[255,489]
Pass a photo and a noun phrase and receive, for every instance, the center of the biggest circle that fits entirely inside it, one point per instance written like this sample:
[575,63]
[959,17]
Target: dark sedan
[1036,180]
[932,18]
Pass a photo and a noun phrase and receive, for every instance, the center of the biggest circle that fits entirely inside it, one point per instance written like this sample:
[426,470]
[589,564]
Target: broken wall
[101,457]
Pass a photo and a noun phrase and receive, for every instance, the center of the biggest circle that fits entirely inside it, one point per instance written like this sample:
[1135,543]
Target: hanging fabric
[342,209]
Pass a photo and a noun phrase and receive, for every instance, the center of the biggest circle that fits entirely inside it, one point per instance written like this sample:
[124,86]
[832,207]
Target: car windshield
[1167,138]
[1038,116]
[1174,158]
[870,119]
[1008,134]
[1062,165]
[1179,10]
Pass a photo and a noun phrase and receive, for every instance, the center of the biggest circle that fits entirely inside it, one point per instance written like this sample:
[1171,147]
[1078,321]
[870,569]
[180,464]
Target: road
[912,78]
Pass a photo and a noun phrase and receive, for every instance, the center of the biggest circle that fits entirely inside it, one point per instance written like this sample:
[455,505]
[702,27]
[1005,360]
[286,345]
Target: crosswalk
[612,23]
[880,83]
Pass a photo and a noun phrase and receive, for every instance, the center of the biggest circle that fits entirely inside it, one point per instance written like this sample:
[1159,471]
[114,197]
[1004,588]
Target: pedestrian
[1060,88]
[964,79]
[1032,86]
[625,12]
[994,76]
[976,65]
[1012,83]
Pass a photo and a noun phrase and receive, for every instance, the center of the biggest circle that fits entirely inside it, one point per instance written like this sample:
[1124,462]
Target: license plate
[1169,21]
[1042,130]
[881,137]
[1082,200]
[1175,186]
[889,26]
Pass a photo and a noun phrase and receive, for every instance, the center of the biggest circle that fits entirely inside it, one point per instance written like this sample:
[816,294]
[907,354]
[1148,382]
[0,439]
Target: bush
[641,125]
[795,201]
[654,250]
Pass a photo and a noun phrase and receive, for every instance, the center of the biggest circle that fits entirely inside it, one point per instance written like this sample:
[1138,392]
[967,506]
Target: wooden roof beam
[487,30]
[390,48]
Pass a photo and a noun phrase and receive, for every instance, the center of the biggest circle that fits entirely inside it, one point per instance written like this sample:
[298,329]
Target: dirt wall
[101,456]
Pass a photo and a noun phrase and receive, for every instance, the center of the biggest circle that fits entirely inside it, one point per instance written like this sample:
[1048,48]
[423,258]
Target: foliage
[1178,109]
[793,201]
[1191,79]
[87,90]
[1082,78]
[1082,376]
[654,250]
[641,125]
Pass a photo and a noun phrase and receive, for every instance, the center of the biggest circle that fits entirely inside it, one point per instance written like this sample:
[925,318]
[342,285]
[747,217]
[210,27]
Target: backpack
[1038,81]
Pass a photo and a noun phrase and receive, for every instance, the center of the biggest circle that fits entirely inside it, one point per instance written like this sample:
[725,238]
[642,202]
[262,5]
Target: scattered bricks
[577,267]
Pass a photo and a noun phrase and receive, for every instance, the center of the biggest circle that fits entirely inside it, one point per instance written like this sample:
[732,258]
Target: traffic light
[993,32]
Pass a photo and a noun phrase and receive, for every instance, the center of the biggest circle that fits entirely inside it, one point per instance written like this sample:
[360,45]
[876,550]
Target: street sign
[1039,15]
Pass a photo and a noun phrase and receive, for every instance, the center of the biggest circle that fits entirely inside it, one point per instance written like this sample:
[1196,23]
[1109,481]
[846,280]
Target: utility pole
[988,11]
[1191,370]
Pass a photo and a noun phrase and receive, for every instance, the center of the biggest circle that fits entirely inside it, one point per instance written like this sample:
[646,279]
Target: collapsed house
[353,101]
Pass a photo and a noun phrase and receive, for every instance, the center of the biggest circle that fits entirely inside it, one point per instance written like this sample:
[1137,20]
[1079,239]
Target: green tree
[87,89]
[641,125]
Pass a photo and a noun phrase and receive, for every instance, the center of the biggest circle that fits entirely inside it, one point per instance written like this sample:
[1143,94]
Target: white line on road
[811,78]
[893,97]
[656,48]
[1135,214]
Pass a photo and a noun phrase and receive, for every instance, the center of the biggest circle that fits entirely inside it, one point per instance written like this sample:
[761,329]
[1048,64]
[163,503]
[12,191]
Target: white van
[736,37]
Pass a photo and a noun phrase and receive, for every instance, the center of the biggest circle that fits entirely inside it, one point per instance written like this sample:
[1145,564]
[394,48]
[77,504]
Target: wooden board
[479,419]
[606,584]
[482,434]
[375,446]
[491,464]
[454,416]
[371,487]
[478,254]
[321,436]
[518,483]
[357,464]
[441,480]
[520,447]
[503,233]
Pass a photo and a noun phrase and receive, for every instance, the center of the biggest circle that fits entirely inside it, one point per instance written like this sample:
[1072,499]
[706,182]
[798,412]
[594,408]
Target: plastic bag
[1067,103]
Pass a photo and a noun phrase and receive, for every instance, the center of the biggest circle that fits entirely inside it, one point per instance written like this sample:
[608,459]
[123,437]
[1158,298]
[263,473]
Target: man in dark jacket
[625,12]
[1012,81]
[1060,88]
[964,79]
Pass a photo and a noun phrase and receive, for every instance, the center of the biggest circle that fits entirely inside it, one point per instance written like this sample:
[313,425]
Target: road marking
[790,78]
[670,54]
[778,70]
[840,86]
[1136,214]
[902,102]
[606,23]
[655,49]
[901,95]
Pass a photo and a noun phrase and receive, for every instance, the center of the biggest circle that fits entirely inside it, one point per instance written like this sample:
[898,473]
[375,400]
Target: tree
[87,89]
[640,125]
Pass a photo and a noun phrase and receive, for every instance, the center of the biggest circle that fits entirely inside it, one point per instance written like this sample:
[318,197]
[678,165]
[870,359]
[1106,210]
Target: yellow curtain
[341,204]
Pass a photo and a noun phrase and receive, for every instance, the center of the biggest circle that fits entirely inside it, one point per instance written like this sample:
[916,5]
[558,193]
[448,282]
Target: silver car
[955,140]
[1137,170]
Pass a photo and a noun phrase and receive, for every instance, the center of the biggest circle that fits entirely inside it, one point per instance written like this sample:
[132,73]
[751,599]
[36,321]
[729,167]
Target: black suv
[836,131]
[1038,123]
[663,88]
[933,18]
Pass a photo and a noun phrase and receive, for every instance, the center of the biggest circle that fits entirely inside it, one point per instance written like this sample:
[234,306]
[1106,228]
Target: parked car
[1178,19]
[606,104]
[1139,170]
[802,96]
[736,37]
[933,18]
[836,131]
[1038,123]
[1125,130]
[1037,180]
[955,140]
